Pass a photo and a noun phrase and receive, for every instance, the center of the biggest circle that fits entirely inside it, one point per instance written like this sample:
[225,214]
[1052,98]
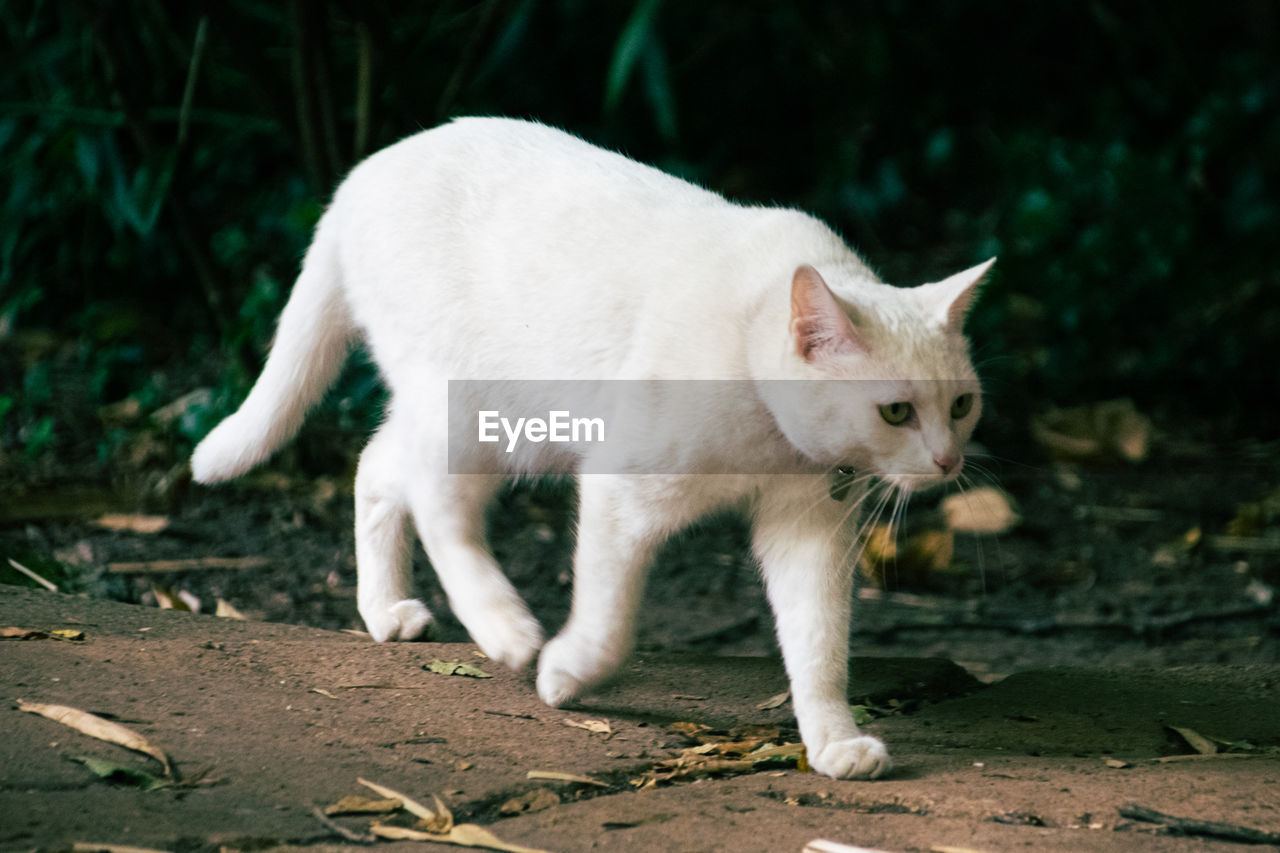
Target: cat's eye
[961,406]
[896,414]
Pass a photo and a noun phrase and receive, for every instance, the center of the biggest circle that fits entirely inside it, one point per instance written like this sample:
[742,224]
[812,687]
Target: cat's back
[523,162]
[489,231]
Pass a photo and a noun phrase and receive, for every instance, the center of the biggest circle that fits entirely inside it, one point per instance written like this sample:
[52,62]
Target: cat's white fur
[500,249]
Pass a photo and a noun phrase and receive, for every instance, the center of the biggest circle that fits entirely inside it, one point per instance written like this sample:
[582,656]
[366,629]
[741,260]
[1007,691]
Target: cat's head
[879,378]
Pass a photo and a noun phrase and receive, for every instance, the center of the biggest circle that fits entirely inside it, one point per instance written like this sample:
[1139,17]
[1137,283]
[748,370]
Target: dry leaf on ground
[982,510]
[1195,740]
[463,835]
[1111,429]
[226,610]
[131,522]
[709,760]
[67,634]
[915,557]
[774,701]
[556,776]
[597,726]
[95,726]
[438,826]
[455,667]
[89,847]
[689,730]
[822,845]
[113,771]
[440,820]
[539,799]
[168,598]
[355,804]
[1207,746]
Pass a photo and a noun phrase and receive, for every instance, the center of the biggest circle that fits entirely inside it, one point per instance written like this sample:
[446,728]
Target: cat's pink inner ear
[957,293]
[819,326]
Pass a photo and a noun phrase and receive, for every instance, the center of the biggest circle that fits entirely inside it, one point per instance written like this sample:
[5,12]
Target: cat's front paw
[565,671]
[511,638]
[861,757]
[405,620]
[557,683]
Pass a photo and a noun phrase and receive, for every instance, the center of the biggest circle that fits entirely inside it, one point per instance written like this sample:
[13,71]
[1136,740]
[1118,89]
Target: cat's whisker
[1005,460]
[889,505]
[897,520]
[858,541]
[872,521]
[968,485]
[855,483]
[853,509]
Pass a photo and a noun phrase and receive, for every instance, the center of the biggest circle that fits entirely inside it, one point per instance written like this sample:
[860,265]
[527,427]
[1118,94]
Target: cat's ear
[819,326]
[954,295]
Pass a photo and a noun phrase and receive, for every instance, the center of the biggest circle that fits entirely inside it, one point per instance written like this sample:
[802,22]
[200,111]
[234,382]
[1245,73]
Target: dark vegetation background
[163,165]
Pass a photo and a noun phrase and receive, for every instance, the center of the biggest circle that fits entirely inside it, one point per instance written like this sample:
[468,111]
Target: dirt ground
[1129,599]
[265,721]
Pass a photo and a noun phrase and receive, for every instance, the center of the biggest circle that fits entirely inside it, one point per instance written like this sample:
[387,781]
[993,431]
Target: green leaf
[139,201]
[455,667]
[120,774]
[38,437]
[862,714]
[657,85]
[635,34]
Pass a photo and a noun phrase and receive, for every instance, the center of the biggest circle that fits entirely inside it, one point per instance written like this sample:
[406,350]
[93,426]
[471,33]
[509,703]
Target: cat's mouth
[845,476]
[915,483]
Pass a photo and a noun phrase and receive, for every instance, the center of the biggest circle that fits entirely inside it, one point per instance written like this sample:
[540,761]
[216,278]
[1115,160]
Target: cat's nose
[947,463]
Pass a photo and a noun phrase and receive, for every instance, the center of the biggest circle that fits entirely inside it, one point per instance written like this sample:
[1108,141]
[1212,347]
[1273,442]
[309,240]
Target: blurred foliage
[163,164]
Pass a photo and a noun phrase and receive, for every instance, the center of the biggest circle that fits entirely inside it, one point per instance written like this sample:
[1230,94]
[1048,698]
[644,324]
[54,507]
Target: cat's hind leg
[384,552]
[449,511]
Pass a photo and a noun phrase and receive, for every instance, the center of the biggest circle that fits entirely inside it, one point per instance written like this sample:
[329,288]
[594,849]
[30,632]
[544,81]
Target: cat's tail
[312,343]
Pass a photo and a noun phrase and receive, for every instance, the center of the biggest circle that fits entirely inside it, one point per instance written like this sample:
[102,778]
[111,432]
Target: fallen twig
[509,714]
[49,585]
[1204,828]
[1247,544]
[1217,756]
[557,776]
[153,567]
[338,829]
[823,845]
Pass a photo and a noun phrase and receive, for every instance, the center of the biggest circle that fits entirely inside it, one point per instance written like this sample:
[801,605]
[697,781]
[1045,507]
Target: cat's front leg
[806,559]
[617,528]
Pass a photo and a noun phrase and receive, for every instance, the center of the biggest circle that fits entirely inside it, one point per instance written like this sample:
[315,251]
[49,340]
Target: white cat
[495,249]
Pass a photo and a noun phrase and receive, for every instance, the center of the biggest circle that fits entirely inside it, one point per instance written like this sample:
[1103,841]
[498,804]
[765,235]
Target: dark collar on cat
[841,482]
